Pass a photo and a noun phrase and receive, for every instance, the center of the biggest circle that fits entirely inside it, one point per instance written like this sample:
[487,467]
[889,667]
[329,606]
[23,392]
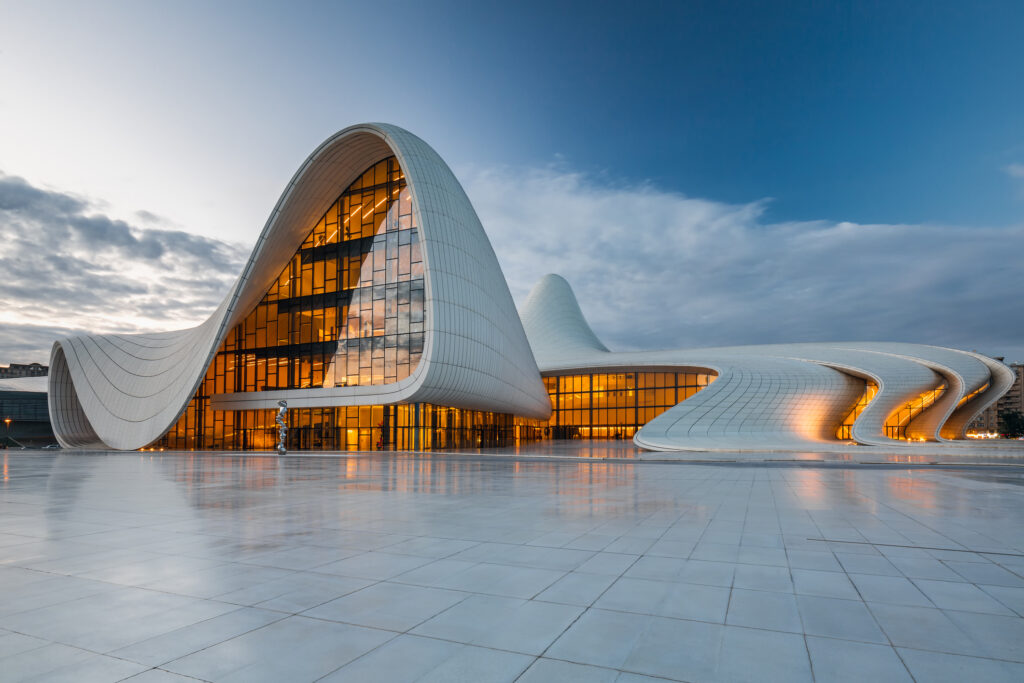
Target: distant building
[1012,400]
[19,370]
[24,416]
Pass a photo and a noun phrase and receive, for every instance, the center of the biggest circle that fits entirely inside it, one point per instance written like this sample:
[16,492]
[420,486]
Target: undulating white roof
[125,391]
[775,397]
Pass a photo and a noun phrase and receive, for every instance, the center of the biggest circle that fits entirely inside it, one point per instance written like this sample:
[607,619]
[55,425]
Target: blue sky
[794,123]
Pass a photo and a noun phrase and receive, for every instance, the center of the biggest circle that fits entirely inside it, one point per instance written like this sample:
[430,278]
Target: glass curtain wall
[843,433]
[896,423]
[614,405]
[347,310]
[419,426]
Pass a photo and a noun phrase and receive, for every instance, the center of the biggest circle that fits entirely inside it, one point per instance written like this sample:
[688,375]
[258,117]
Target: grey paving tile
[297,592]
[1007,595]
[293,649]
[923,628]
[612,564]
[108,621]
[525,555]
[183,641]
[667,599]
[56,662]
[493,579]
[606,639]
[939,667]
[576,588]
[775,557]
[763,609]
[716,552]
[651,646]
[391,606]
[813,559]
[845,660]
[502,623]
[925,568]
[763,578]
[547,670]
[749,655]
[427,546]
[998,636]
[158,676]
[412,658]
[986,573]
[867,564]
[374,565]
[892,590]
[960,596]
[301,557]
[13,643]
[836,618]
[823,584]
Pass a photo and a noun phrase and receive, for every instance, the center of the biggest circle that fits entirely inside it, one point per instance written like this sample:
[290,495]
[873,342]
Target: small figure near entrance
[282,428]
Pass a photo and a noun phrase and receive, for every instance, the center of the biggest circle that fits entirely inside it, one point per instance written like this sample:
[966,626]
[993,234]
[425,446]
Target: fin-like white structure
[125,391]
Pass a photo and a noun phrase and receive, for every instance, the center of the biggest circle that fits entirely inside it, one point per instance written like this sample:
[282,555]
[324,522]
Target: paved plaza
[182,566]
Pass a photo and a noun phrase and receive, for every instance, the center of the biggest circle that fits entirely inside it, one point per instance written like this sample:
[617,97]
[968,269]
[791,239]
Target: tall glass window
[614,405]
[347,310]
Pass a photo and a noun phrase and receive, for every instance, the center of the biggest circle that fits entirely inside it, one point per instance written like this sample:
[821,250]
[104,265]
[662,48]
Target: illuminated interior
[614,405]
[896,423]
[844,433]
[347,310]
[418,426]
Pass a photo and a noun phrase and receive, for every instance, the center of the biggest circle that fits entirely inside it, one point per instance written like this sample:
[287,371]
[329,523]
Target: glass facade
[844,431]
[896,423]
[347,310]
[614,405]
[418,426]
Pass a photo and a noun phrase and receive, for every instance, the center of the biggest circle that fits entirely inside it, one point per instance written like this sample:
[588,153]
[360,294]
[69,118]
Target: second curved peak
[554,323]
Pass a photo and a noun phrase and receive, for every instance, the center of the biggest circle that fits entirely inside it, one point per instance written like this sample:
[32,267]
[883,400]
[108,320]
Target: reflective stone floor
[177,567]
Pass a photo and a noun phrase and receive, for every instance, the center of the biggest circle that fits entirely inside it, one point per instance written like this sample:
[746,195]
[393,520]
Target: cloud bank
[66,268]
[655,269]
[652,269]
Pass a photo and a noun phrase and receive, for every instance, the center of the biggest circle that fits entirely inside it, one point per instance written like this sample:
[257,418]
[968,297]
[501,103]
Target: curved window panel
[896,423]
[347,310]
[843,433]
[613,405]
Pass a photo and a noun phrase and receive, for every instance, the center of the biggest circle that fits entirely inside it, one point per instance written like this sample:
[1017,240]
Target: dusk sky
[703,173]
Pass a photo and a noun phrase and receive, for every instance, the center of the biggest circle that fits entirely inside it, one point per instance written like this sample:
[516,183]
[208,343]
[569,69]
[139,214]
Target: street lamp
[7,422]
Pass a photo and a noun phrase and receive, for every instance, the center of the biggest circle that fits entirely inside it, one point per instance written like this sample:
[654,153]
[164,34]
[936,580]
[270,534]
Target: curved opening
[71,426]
[897,422]
[613,405]
[844,432]
[348,309]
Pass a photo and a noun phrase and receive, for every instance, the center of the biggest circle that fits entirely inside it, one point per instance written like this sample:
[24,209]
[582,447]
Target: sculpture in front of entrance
[282,428]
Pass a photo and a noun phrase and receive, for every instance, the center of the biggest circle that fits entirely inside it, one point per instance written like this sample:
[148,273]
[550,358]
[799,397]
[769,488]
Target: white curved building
[374,304]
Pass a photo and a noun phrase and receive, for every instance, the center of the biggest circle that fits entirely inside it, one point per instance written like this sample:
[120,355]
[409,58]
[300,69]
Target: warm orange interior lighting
[844,433]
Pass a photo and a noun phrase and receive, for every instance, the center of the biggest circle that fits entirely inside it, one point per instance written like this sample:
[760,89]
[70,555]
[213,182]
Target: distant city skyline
[808,172]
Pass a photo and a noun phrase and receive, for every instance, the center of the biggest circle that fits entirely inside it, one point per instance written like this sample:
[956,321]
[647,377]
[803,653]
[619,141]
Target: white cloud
[68,268]
[1015,170]
[658,269]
